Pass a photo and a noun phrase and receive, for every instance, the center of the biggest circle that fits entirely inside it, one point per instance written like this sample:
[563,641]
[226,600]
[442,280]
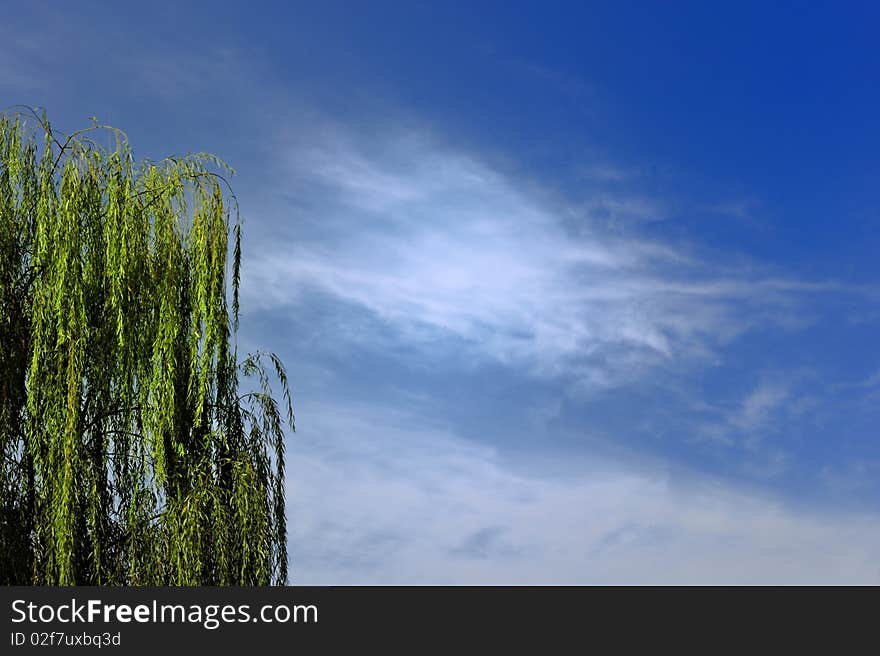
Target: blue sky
[568,292]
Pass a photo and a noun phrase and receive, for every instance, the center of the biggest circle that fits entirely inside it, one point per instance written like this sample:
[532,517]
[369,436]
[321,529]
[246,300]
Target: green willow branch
[137,448]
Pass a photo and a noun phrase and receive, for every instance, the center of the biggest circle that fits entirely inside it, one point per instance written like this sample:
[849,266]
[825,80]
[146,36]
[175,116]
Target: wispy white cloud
[380,496]
[771,408]
[614,209]
[608,173]
[438,244]
[758,406]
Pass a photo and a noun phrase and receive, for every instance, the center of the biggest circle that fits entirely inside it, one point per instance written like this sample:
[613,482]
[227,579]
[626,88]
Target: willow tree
[137,447]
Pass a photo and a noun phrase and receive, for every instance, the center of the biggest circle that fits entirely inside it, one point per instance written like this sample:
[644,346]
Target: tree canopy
[130,452]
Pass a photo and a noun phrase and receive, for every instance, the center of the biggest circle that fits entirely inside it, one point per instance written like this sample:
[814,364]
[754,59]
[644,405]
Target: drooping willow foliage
[130,453]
